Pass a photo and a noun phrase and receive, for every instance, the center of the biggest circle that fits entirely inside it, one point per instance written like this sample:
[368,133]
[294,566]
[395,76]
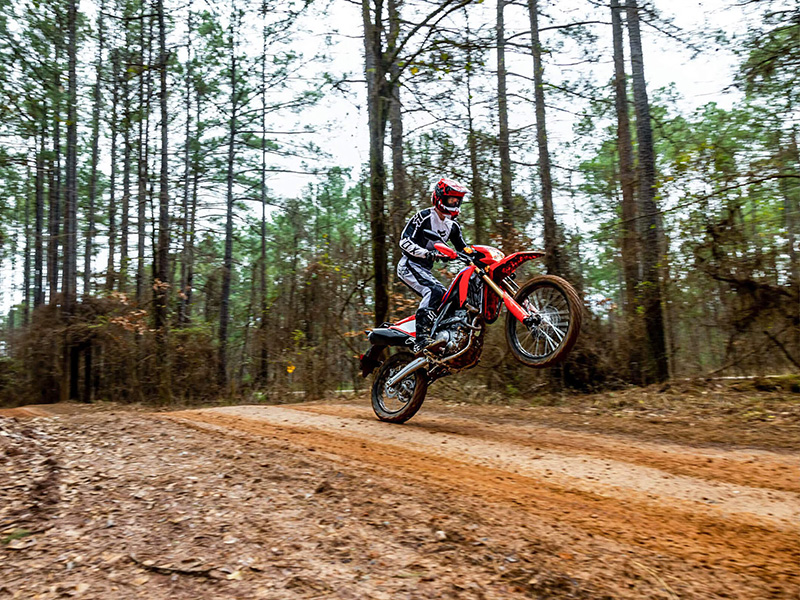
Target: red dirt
[322,501]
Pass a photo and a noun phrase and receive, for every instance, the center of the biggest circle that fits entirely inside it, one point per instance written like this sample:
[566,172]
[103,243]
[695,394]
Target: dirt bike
[542,325]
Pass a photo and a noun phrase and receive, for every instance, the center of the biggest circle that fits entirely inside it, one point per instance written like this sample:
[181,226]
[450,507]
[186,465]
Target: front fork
[529,318]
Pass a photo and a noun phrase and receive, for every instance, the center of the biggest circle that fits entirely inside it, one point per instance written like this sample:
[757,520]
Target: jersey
[423,231]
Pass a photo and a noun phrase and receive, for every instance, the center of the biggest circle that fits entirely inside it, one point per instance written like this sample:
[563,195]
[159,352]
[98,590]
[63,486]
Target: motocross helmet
[447,196]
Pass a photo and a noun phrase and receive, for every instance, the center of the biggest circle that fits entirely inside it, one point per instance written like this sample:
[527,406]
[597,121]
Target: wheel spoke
[545,338]
[559,334]
[393,399]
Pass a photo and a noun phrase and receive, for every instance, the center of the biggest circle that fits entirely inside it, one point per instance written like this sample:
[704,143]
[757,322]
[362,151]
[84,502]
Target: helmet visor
[451,201]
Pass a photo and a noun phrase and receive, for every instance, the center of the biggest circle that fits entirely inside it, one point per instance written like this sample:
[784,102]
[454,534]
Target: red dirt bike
[542,326]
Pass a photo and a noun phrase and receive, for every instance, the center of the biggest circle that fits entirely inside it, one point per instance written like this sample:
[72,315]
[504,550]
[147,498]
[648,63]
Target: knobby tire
[575,308]
[378,390]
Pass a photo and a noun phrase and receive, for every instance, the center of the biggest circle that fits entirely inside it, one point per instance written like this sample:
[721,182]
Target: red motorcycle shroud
[497,271]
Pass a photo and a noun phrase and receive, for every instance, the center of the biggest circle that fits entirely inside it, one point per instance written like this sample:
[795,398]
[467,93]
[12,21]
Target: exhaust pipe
[414,365]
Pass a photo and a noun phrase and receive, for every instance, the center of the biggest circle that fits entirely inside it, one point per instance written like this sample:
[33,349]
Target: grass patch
[17,534]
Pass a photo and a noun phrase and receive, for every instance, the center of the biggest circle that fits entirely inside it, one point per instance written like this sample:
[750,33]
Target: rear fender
[401,333]
[370,360]
[389,336]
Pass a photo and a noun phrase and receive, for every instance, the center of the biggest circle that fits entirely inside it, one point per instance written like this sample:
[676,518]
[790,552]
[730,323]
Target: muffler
[414,365]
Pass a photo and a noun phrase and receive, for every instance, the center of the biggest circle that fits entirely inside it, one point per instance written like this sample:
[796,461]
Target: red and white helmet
[447,196]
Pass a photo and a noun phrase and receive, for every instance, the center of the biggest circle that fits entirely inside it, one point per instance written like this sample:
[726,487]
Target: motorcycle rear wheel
[399,403]
[550,341]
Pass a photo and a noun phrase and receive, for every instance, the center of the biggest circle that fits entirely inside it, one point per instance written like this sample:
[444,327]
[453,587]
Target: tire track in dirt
[753,468]
[758,547]
[24,412]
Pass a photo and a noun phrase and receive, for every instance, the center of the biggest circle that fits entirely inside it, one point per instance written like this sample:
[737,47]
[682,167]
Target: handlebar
[448,252]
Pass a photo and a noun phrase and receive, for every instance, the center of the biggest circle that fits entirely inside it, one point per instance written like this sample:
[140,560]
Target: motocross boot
[424,322]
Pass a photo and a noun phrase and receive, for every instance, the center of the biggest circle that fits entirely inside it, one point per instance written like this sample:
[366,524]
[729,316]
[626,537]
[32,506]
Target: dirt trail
[732,510]
[323,501]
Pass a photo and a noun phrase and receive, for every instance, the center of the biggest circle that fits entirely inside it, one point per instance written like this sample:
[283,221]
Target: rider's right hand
[434,256]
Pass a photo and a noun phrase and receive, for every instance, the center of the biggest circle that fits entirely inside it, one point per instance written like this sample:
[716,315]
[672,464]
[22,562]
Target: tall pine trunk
[503,143]
[227,265]
[69,283]
[476,181]
[145,92]
[629,246]
[263,373]
[54,194]
[26,269]
[187,301]
[658,368]
[554,260]
[112,199]
[97,101]
[124,256]
[162,251]
[377,108]
[38,244]
[187,169]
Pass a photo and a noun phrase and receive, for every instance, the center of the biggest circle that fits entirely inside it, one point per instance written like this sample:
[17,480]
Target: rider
[422,231]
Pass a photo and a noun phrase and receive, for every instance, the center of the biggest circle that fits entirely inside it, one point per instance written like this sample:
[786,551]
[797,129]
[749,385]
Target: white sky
[698,80]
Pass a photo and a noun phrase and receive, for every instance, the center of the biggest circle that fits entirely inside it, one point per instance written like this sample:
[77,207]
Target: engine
[454,332]
[461,338]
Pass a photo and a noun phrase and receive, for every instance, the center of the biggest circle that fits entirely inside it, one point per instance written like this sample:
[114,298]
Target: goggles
[451,201]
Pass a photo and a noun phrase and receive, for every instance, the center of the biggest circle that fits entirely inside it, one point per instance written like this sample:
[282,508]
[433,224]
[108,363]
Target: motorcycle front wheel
[399,403]
[549,339]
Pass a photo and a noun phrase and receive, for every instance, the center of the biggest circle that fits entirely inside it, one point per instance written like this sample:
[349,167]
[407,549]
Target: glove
[434,255]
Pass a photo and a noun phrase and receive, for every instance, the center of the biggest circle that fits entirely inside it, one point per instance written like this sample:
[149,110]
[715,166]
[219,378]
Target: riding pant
[424,284]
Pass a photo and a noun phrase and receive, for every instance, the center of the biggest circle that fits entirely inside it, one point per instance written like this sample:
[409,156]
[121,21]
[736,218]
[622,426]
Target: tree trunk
[651,287]
[227,266]
[162,253]
[124,233]
[145,91]
[26,269]
[262,323]
[38,246]
[472,143]
[554,260]
[112,200]
[506,200]
[69,283]
[54,195]
[187,169]
[193,216]
[378,98]
[88,373]
[400,201]
[629,246]
[90,227]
